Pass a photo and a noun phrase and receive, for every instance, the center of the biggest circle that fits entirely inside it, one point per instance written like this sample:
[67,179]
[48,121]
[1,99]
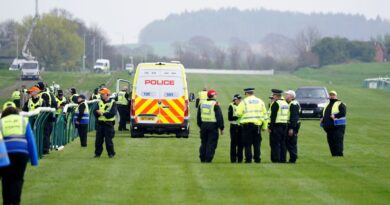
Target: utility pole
[36,7]
[101,47]
[123,67]
[93,52]
[17,45]
[84,57]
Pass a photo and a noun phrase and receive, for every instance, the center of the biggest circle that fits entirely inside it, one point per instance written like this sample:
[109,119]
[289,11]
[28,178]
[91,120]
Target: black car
[312,101]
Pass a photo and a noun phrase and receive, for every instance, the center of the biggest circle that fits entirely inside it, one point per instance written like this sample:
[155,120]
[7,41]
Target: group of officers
[249,116]
[108,106]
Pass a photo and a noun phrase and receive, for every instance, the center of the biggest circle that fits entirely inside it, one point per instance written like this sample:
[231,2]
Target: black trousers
[236,144]
[292,147]
[208,141]
[83,132]
[277,142]
[12,178]
[123,112]
[46,136]
[105,133]
[335,138]
[251,136]
[17,103]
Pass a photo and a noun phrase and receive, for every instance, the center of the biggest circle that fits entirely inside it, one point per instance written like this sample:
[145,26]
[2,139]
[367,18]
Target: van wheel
[183,134]
[136,134]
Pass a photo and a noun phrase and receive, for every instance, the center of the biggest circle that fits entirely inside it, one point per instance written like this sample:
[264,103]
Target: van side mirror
[192,97]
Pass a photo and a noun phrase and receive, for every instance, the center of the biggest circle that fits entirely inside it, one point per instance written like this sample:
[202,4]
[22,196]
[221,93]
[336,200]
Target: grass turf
[166,170]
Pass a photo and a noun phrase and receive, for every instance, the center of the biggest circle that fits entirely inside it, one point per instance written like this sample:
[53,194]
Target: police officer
[61,101]
[236,146]
[202,96]
[16,95]
[105,113]
[209,119]
[293,125]
[252,114]
[48,101]
[81,119]
[20,143]
[333,122]
[73,95]
[35,100]
[123,108]
[95,95]
[277,127]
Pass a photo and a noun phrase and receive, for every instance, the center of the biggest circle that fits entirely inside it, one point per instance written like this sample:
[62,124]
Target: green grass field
[166,170]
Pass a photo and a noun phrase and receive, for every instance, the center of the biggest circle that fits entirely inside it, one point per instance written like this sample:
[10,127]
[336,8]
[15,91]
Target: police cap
[40,85]
[249,90]
[277,91]
[60,92]
[237,97]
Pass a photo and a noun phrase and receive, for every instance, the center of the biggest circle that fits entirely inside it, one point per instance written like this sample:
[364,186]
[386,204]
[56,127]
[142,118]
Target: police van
[160,100]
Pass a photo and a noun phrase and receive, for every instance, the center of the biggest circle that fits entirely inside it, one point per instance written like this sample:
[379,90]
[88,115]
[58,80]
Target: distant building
[377,83]
[379,52]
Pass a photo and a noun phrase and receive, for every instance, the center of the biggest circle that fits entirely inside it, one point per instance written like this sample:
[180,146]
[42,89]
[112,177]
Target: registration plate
[147,118]
[307,111]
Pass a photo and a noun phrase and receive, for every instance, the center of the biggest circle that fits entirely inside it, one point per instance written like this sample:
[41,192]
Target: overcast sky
[124,19]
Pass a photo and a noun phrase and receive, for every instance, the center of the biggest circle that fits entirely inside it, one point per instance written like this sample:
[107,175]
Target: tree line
[60,39]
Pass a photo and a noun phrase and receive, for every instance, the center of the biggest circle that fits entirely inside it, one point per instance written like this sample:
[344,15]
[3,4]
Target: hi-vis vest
[254,111]
[95,96]
[234,107]
[294,102]
[121,98]
[32,106]
[85,117]
[207,111]
[59,102]
[48,94]
[335,110]
[202,96]
[105,107]
[13,128]
[16,95]
[4,160]
[282,114]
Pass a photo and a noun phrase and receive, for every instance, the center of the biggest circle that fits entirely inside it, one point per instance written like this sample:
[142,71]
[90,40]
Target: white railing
[37,111]
[67,106]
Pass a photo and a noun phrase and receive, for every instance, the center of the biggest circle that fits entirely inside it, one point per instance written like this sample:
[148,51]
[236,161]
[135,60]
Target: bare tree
[307,38]
[236,49]
[220,57]
[304,42]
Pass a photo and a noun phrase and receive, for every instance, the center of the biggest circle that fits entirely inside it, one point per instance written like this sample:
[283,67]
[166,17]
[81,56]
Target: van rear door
[160,96]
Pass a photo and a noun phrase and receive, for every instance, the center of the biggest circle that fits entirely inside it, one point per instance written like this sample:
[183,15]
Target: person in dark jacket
[210,120]
[105,113]
[277,127]
[293,125]
[81,119]
[73,95]
[48,101]
[20,143]
[236,142]
[122,101]
[95,95]
[333,122]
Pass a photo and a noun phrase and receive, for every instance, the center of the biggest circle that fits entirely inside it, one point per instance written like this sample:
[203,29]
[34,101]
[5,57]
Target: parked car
[102,66]
[312,100]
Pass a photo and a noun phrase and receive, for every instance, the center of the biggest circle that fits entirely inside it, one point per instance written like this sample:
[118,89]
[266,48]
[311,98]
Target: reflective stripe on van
[169,111]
